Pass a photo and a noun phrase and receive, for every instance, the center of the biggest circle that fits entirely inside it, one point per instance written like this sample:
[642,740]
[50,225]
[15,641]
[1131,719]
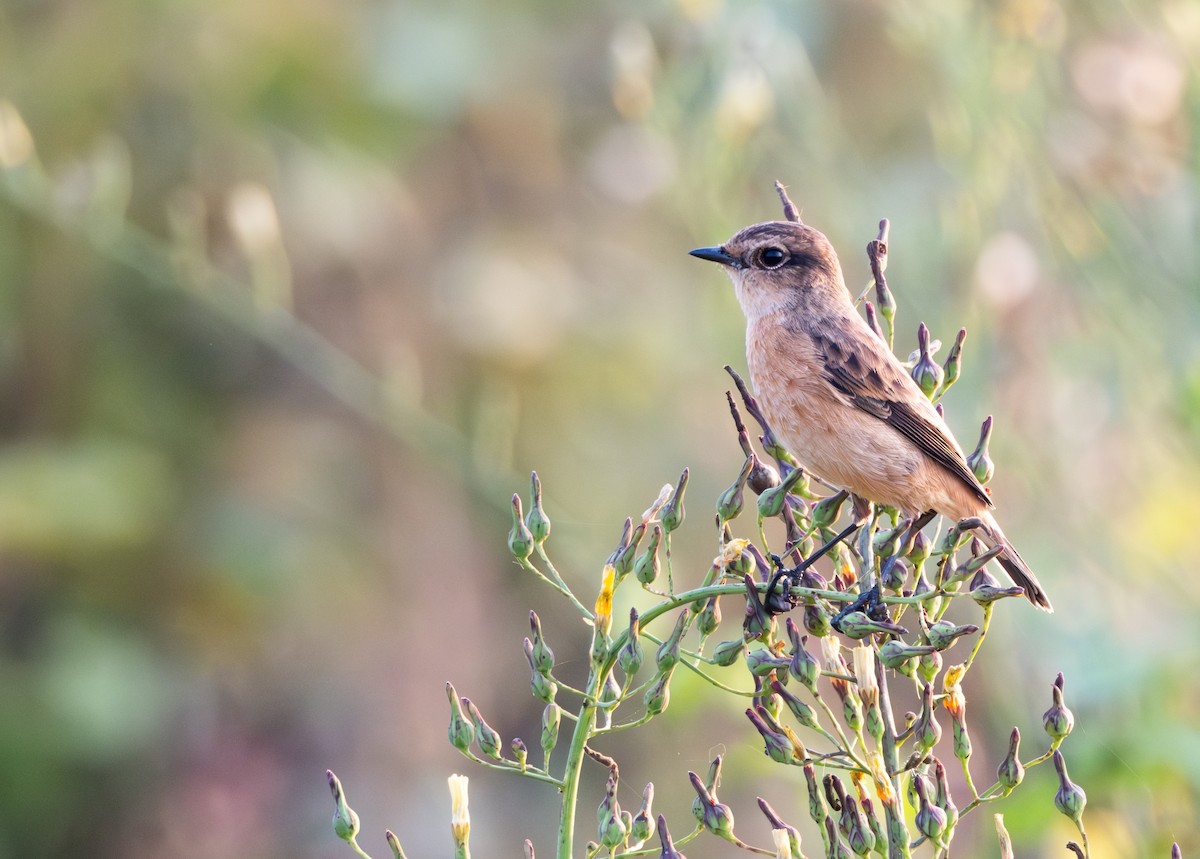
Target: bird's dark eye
[772,257]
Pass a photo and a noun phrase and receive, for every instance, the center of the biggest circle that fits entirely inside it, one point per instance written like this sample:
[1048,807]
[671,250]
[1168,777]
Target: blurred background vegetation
[293,295]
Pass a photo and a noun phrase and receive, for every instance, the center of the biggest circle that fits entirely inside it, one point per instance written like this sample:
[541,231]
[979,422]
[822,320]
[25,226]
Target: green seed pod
[953,365]
[642,827]
[485,734]
[709,617]
[647,566]
[762,662]
[520,540]
[927,373]
[929,666]
[536,520]
[826,511]
[715,816]
[461,731]
[930,820]
[1011,771]
[1070,799]
[542,657]
[658,696]
[668,651]
[942,634]
[1058,720]
[623,562]
[778,747]
[630,656]
[980,461]
[727,652]
[732,500]
[345,820]
[672,513]
[927,731]
[551,719]
[804,714]
[771,502]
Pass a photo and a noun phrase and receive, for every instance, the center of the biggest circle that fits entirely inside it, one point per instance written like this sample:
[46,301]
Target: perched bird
[835,394]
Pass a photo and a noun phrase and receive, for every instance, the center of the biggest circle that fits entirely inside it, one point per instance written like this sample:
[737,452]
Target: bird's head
[781,265]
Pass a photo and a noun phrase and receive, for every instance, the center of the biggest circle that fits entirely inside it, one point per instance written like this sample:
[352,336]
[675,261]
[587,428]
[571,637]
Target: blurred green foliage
[292,295]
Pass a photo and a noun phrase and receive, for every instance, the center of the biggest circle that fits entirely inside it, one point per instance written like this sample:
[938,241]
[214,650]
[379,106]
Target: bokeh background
[293,295]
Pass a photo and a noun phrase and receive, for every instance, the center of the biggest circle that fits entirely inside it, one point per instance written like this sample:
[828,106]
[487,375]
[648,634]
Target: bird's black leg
[780,572]
[866,602]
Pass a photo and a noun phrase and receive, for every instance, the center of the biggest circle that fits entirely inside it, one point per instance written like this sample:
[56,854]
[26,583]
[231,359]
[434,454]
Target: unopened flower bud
[714,816]
[520,540]
[612,831]
[668,846]
[930,820]
[887,543]
[858,831]
[672,513]
[643,824]
[953,365]
[536,520]
[942,634]
[1058,720]
[762,662]
[817,620]
[837,847]
[758,622]
[772,501]
[781,831]
[630,656]
[943,800]
[927,731]
[542,657]
[897,655]
[727,652]
[544,688]
[804,666]
[489,740]
[920,550]
[858,625]
[461,732]
[927,373]
[394,843]
[893,573]
[732,500]
[625,555]
[980,461]
[763,477]
[929,666]
[647,566]
[520,753]
[778,747]
[804,714]
[826,511]
[1070,799]
[668,651]
[1176,853]
[551,719]
[709,617]
[658,696]
[985,589]
[1011,771]
[345,820]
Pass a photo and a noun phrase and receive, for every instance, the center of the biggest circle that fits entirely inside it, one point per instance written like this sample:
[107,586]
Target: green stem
[585,726]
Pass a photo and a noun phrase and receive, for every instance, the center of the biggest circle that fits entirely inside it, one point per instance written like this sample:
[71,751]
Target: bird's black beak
[716,255]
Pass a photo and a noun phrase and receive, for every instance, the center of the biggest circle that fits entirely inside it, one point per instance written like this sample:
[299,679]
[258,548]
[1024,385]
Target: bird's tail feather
[1014,564]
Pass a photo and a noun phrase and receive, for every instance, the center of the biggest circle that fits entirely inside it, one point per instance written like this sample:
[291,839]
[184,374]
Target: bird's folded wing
[873,383]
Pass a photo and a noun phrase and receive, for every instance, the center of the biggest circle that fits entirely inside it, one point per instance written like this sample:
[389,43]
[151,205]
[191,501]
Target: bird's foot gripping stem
[781,604]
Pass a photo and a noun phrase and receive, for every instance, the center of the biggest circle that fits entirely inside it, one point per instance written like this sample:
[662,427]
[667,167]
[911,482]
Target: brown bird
[835,394]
